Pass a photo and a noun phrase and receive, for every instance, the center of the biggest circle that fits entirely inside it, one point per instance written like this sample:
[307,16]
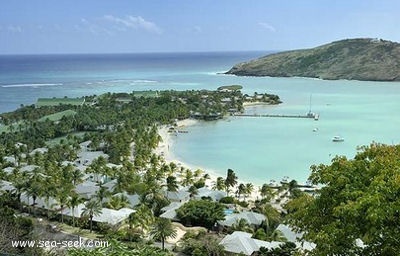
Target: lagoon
[261,149]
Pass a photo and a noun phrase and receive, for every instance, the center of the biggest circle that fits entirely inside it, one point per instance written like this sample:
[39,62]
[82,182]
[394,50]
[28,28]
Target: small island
[361,59]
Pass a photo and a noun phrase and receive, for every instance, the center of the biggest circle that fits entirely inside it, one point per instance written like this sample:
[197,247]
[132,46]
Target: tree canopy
[357,211]
[201,213]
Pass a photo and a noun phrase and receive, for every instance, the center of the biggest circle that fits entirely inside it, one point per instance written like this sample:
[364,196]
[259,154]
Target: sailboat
[311,114]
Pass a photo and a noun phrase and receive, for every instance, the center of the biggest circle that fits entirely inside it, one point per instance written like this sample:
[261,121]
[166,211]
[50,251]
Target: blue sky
[114,26]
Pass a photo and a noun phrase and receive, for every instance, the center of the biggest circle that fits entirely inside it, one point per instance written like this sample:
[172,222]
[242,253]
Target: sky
[135,26]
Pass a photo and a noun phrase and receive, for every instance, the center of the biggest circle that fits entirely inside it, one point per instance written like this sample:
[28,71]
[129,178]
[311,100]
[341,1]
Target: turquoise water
[228,212]
[261,149]
[258,149]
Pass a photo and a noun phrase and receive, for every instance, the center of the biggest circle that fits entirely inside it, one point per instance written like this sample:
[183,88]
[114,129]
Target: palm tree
[193,191]
[118,202]
[143,217]
[219,184]
[92,208]
[241,190]
[249,187]
[188,178]
[102,193]
[73,201]
[230,181]
[62,198]
[76,176]
[242,225]
[292,185]
[18,189]
[163,229]
[49,191]
[266,191]
[172,184]
[197,173]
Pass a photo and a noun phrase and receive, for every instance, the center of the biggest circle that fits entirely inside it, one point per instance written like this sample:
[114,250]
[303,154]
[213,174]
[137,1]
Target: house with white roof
[178,196]
[87,157]
[87,189]
[8,170]
[109,216]
[6,186]
[253,218]
[241,243]
[110,185]
[28,168]
[40,202]
[170,211]
[38,150]
[215,195]
[133,199]
[295,237]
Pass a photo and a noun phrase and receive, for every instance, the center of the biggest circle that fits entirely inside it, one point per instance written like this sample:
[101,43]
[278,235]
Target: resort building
[253,218]
[180,196]
[241,243]
[109,216]
[169,211]
[215,195]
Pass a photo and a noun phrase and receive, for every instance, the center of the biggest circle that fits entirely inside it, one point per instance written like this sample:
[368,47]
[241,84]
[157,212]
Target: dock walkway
[275,115]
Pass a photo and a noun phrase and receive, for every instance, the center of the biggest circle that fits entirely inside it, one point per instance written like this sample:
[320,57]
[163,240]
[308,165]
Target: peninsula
[361,59]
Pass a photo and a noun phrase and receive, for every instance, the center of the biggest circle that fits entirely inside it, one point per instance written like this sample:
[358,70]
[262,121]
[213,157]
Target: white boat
[337,139]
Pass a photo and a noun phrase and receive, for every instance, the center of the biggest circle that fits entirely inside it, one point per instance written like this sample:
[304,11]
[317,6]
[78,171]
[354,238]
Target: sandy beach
[165,149]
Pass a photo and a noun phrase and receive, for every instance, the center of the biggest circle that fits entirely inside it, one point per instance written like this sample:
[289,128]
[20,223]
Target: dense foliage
[201,244]
[14,228]
[357,210]
[203,213]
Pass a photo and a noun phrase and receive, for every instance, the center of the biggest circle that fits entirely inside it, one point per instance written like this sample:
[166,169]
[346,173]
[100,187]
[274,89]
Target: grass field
[145,93]
[56,141]
[57,116]
[41,102]
[126,98]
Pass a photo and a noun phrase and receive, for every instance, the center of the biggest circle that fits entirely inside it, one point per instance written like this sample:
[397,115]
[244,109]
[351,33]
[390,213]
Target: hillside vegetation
[353,59]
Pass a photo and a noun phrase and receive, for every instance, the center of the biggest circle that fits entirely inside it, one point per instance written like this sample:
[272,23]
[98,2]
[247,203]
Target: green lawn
[57,116]
[145,93]
[56,141]
[59,101]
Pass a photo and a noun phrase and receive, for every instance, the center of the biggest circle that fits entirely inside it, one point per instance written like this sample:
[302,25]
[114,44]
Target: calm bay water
[258,149]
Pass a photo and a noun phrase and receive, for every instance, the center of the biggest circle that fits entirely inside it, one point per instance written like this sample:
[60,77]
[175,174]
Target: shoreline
[257,103]
[164,149]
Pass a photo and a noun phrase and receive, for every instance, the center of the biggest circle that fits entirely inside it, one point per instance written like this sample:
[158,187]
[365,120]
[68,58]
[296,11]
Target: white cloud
[93,28]
[267,26]
[132,22]
[14,29]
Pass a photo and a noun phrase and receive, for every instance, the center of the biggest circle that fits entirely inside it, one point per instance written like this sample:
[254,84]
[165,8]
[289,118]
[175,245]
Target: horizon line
[146,52]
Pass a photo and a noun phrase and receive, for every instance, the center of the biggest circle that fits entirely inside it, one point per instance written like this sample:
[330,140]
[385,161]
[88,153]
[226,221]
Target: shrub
[227,200]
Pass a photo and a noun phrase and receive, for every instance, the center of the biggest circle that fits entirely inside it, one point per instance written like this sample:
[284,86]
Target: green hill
[353,59]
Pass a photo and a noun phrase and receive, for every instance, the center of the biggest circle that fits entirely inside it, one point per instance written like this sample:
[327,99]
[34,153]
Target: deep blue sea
[258,149]
[24,78]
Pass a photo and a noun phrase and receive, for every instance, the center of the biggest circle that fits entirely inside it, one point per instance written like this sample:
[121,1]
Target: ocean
[257,149]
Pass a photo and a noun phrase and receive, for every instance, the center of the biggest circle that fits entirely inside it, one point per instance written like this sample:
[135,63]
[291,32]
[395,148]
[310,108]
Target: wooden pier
[276,115]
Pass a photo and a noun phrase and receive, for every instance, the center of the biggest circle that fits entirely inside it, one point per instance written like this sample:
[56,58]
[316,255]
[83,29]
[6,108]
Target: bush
[243,203]
[227,200]
[201,213]
[200,183]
